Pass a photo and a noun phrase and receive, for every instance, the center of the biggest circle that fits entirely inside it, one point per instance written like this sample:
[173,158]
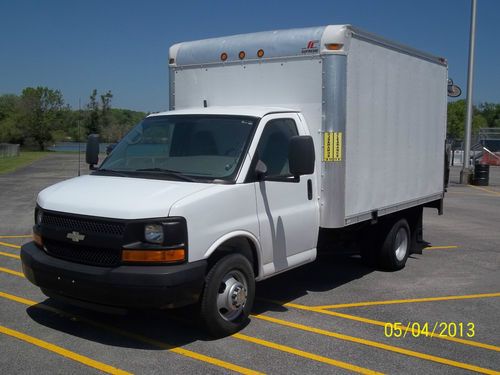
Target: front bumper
[131,287]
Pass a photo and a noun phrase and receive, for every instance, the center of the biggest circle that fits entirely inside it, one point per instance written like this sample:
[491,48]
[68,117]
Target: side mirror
[301,155]
[92,152]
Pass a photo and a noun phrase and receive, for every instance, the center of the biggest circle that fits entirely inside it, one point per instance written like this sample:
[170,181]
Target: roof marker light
[260,53]
[333,46]
[223,56]
[241,55]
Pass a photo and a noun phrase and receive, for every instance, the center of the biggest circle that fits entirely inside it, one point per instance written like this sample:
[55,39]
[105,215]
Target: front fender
[235,234]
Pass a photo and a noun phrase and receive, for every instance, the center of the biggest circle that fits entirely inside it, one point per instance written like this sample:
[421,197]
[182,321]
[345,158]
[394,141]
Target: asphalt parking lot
[327,317]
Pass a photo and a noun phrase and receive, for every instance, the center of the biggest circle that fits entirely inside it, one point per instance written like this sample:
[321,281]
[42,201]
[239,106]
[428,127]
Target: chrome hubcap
[232,295]
[401,244]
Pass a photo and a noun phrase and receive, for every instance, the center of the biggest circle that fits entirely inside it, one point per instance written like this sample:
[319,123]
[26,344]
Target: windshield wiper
[169,172]
[112,172]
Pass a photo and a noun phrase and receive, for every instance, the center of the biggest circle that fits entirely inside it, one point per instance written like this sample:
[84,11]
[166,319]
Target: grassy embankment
[25,158]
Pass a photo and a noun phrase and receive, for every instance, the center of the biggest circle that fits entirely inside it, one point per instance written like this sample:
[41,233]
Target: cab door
[287,207]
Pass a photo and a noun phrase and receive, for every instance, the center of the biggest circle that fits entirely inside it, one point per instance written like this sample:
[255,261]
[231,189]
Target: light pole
[466,168]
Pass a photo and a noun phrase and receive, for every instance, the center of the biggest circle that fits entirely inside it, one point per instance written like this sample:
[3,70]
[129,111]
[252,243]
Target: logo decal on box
[311,47]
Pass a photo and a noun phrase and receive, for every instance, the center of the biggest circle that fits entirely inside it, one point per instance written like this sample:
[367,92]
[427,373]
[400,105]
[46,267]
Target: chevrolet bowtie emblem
[75,236]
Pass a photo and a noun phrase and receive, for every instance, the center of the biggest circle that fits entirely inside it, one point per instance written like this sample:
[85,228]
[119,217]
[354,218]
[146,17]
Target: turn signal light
[334,46]
[38,239]
[162,256]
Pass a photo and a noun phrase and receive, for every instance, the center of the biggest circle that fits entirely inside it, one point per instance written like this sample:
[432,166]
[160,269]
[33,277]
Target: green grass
[25,158]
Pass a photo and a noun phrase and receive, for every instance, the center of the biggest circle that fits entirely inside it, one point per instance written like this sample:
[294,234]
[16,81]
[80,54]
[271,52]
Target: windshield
[199,147]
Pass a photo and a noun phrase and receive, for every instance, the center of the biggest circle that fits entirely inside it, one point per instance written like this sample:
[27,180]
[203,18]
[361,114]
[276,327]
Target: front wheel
[228,295]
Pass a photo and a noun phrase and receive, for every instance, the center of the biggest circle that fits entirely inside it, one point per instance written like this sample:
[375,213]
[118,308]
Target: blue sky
[122,46]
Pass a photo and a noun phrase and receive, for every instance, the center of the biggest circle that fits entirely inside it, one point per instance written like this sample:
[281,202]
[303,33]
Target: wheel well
[236,245]
[413,217]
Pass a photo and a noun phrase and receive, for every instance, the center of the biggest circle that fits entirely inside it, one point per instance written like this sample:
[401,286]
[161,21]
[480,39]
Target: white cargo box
[376,109]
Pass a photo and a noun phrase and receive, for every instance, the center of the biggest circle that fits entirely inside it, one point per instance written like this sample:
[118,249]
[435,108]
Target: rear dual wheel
[387,245]
[396,246]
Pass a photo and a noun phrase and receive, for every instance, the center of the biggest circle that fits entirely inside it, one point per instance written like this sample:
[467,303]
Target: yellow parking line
[18,299]
[18,236]
[439,247]
[486,190]
[63,352]
[308,355]
[10,245]
[138,337]
[379,345]
[411,300]
[212,360]
[405,329]
[10,255]
[301,353]
[12,272]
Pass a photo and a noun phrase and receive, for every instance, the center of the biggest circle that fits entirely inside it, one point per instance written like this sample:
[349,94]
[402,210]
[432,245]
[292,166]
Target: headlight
[153,233]
[39,217]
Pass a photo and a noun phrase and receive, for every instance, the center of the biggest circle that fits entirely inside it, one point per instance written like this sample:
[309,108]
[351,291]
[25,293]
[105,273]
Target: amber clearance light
[163,256]
[334,46]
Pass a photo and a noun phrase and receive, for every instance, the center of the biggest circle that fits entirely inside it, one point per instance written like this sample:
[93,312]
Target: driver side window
[273,146]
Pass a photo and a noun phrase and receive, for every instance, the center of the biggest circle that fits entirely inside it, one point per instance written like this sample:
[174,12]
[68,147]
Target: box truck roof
[332,39]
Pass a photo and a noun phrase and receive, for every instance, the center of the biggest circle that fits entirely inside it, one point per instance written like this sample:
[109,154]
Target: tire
[396,247]
[228,296]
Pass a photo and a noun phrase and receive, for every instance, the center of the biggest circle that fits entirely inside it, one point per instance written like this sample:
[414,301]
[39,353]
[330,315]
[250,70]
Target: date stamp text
[426,329]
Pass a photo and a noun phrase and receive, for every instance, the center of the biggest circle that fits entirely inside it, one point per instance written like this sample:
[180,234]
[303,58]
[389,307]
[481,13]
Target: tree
[10,132]
[478,122]
[9,106]
[491,113]
[457,112]
[98,117]
[39,116]
[456,119]
[121,120]
[93,112]
[105,108]
[39,111]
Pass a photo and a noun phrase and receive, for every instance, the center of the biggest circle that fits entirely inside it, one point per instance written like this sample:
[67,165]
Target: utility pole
[466,169]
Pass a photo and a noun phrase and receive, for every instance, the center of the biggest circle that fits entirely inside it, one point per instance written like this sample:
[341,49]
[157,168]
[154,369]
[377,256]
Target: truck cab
[190,204]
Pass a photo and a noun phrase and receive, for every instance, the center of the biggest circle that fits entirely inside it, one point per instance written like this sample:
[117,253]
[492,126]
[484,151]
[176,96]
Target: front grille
[83,225]
[83,254]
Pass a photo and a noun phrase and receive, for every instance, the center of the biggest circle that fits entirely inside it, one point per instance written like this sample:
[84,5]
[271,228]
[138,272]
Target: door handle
[309,189]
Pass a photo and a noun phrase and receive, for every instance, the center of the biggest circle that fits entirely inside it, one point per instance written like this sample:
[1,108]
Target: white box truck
[277,144]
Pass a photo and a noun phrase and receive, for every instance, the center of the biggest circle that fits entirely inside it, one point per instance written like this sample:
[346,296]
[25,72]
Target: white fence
[7,150]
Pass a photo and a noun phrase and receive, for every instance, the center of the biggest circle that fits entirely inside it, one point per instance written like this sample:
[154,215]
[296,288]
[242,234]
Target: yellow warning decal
[332,150]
